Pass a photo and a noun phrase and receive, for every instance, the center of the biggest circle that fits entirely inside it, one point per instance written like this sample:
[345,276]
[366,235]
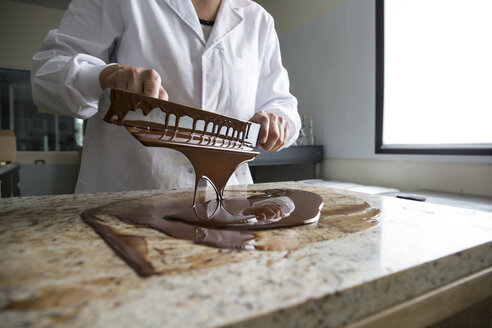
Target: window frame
[410,149]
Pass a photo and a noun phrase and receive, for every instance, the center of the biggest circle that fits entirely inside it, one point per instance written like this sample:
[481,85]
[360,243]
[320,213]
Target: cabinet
[9,180]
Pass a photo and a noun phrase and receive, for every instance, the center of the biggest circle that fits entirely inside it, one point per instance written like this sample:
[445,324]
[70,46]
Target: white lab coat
[236,72]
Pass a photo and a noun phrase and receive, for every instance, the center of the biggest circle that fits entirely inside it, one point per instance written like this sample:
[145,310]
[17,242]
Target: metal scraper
[119,107]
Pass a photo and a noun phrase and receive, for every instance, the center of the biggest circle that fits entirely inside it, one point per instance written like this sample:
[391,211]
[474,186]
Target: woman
[221,56]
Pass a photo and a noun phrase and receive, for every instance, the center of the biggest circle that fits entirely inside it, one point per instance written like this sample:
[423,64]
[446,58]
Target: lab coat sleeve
[273,94]
[65,71]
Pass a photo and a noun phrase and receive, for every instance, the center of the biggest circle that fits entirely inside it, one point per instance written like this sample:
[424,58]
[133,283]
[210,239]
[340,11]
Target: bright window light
[438,73]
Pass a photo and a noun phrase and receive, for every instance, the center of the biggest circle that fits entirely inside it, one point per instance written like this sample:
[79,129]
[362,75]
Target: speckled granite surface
[56,270]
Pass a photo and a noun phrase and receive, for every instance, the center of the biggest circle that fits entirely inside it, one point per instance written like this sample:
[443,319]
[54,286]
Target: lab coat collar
[228,18]
[185,10]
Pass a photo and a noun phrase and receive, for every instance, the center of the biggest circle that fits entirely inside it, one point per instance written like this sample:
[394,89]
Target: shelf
[290,156]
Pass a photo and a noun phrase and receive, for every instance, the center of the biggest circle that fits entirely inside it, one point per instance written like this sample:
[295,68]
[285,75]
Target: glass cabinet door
[36,129]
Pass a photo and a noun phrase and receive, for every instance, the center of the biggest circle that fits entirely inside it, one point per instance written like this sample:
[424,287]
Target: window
[434,77]
[35,128]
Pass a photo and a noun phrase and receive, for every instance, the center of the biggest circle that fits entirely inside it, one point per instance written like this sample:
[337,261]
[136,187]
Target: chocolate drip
[214,155]
[234,130]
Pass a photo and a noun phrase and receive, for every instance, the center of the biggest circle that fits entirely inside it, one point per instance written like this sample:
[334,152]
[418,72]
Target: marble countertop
[56,270]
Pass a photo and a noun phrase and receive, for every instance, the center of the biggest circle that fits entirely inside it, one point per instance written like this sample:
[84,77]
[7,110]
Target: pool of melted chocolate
[224,223]
[138,229]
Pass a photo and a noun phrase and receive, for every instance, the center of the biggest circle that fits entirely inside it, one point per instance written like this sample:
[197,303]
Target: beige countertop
[56,270]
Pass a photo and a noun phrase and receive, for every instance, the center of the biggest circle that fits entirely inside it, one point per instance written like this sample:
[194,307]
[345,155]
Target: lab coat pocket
[241,83]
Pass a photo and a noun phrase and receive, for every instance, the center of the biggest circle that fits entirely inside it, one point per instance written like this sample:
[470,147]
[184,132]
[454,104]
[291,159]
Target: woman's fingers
[163,94]
[273,131]
[151,82]
[132,78]
[273,134]
[283,133]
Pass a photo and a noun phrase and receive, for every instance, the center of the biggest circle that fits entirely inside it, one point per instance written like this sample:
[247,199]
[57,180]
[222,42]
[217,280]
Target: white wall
[331,62]
[22,29]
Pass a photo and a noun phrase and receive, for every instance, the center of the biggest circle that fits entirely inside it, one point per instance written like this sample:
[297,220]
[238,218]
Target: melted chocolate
[276,208]
[229,223]
[214,153]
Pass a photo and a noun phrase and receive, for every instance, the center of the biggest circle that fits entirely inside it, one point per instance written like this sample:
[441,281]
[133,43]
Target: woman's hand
[273,132]
[135,79]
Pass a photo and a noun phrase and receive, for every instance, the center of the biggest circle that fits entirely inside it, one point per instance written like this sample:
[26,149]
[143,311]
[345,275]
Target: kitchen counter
[420,261]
